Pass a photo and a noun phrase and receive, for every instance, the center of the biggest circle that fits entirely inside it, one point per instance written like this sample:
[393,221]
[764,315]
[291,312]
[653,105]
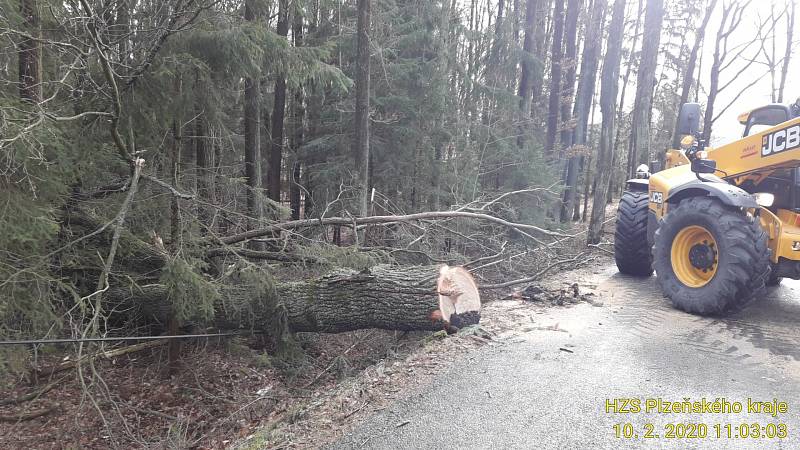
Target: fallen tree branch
[71,364]
[267,255]
[348,221]
[488,258]
[598,246]
[168,187]
[21,417]
[538,274]
[31,395]
[489,203]
[405,250]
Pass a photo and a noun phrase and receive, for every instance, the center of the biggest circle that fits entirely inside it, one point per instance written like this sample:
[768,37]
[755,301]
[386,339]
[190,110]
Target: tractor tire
[709,258]
[631,249]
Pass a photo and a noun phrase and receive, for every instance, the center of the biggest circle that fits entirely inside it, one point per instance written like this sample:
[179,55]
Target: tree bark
[540,38]
[252,137]
[30,54]
[362,153]
[176,226]
[205,172]
[583,105]
[639,145]
[609,85]
[569,65]
[383,297]
[278,113]
[621,109]
[554,101]
[527,64]
[297,129]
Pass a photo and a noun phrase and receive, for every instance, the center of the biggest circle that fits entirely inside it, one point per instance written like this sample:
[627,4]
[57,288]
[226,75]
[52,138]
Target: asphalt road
[548,388]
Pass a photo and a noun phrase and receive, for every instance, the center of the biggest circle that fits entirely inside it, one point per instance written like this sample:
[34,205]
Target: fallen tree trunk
[391,298]
[44,372]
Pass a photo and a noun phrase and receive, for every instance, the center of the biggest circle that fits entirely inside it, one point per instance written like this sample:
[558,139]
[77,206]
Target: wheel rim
[694,256]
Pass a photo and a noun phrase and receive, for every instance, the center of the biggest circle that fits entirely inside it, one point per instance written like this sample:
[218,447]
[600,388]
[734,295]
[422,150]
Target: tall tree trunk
[252,137]
[639,144]
[176,229]
[587,185]
[174,165]
[540,39]
[30,54]
[319,28]
[789,46]
[554,101]
[569,63]
[688,78]
[621,109]
[527,67]
[362,105]
[583,105]
[205,172]
[278,113]
[297,125]
[609,84]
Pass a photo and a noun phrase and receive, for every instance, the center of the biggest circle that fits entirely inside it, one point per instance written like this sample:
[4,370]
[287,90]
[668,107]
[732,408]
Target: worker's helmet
[796,108]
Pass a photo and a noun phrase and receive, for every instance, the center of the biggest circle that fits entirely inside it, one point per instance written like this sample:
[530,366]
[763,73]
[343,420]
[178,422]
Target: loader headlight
[764,199]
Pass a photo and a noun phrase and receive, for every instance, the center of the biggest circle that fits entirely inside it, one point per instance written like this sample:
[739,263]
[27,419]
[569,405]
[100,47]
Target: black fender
[638,184]
[728,194]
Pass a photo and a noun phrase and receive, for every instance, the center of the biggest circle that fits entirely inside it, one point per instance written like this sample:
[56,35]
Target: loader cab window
[765,118]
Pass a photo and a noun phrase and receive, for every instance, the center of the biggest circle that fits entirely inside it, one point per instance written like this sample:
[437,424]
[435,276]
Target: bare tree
[725,56]
[639,145]
[625,80]
[583,103]
[789,46]
[769,49]
[691,65]
[568,91]
[609,84]
[554,101]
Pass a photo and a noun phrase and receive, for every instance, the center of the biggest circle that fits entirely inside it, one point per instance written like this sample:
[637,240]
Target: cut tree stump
[386,297]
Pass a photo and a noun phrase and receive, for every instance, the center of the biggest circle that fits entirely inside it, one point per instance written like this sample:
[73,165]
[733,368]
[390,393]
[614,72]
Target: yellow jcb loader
[717,224]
